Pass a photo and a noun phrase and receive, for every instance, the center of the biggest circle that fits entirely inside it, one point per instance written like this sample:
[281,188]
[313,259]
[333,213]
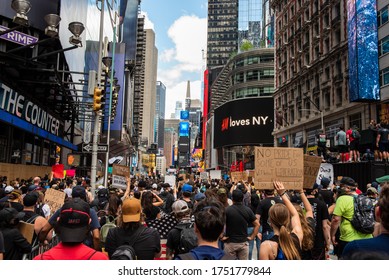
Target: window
[383,16]
[383,46]
[384,76]
[252,75]
[356,119]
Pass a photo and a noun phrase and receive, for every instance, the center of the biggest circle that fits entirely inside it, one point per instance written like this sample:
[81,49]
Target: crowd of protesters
[193,219]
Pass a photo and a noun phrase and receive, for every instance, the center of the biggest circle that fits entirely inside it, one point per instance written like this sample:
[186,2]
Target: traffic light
[98,99]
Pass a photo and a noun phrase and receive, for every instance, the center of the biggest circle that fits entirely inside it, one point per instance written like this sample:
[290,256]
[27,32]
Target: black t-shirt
[328,197]
[320,213]
[263,211]
[384,132]
[238,217]
[147,244]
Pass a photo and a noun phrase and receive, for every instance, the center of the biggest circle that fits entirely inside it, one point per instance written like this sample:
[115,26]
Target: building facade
[159,124]
[312,86]
[382,110]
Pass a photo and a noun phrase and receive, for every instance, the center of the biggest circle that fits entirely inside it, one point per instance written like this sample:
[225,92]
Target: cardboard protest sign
[27,230]
[55,199]
[58,170]
[121,170]
[326,170]
[204,175]
[215,174]
[236,176]
[279,164]
[119,182]
[171,180]
[311,169]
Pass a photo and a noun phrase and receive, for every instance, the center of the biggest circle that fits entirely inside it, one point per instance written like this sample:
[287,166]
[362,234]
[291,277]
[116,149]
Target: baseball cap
[79,191]
[30,199]
[131,210]
[348,181]
[7,214]
[32,188]
[73,223]
[221,191]
[199,196]
[100,187]
[187,188]
[8,189]
[374,185]
[154,186]
[180,206]
[325,182]
[373,190]
[383,179]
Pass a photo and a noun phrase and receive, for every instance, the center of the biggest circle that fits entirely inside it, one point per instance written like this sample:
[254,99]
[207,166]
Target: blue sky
[180,28]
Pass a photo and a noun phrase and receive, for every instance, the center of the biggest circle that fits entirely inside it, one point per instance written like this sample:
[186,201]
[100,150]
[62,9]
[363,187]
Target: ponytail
[287,245]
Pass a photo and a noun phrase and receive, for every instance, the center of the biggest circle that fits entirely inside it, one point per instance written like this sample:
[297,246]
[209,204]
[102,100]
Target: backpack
[363,218]
[355,134]
[127,251]
[188,237]
[110,223]
[189,256]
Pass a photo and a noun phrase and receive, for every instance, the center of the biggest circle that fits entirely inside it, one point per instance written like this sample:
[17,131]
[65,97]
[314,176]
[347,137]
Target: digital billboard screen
[248,121]
[184,129]
[363,50]
[184,115]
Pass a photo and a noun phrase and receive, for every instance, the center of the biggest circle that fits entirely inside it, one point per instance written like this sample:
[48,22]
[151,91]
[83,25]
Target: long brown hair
[280,218]
[308,237]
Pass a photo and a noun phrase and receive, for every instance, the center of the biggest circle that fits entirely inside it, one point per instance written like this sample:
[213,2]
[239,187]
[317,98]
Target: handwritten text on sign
[55,199]
[281,164]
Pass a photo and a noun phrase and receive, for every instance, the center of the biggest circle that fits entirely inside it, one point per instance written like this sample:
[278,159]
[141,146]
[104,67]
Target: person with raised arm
[288,234]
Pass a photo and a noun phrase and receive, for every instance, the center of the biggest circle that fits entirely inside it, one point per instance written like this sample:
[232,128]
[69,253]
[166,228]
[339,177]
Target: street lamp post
[97,113]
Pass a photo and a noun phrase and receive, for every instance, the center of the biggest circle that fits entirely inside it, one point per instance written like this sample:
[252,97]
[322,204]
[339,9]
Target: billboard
[248,121]
[363,50]
[183,144]
[184,115]
[184,129]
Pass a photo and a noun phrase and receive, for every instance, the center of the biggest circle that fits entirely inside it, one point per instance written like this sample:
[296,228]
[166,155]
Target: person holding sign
[284,244]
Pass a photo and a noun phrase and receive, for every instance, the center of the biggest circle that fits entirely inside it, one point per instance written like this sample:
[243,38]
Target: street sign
[101,148]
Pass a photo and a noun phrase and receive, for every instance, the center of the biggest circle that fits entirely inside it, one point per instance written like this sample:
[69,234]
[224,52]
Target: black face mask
[14,222]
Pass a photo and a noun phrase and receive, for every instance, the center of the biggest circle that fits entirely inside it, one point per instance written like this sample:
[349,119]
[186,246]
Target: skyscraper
[222,31]
[160,114]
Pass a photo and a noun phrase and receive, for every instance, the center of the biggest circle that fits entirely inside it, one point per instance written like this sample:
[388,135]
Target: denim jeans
[267,235]
[251,243]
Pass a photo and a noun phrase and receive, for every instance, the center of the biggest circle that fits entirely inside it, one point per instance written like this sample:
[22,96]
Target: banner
[204,175]
[311,169]
[71,172]
[58,170]
[55,199]
[281,164]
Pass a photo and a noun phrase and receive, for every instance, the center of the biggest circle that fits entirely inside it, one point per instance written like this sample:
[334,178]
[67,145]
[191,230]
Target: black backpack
[363,218]
[127,251]
[188,237]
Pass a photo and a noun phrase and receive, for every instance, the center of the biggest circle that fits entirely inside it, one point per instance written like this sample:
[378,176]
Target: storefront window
[46,153]
[37,151]
[17,146]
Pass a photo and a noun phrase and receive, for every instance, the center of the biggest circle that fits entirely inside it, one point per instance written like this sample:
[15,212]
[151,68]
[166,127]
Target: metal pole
[97,114]
[322,120]
[110,108]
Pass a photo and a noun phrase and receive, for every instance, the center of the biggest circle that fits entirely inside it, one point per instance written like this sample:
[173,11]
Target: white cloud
[167,55]
[189,36]
[148,23]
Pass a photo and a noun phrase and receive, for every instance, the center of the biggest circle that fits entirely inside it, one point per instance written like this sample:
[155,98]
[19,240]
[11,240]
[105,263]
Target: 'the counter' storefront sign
[16,104]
